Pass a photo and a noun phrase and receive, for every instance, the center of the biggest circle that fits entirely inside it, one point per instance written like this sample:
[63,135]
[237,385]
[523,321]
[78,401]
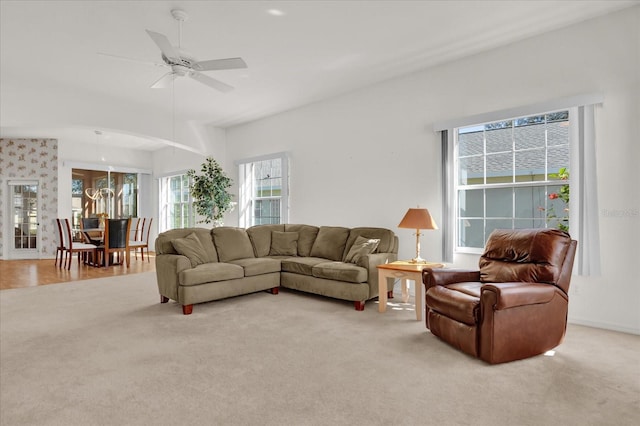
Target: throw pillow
[361,247]
[191,247]
[284,243]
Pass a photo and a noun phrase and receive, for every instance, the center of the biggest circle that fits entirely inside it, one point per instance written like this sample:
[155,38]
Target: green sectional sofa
[196,265]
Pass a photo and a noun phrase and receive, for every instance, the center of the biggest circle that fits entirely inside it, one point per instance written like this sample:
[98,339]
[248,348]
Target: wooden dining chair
[75,247]
[60,245]
[135,228]
[116,241]
[90,237]
[143,243]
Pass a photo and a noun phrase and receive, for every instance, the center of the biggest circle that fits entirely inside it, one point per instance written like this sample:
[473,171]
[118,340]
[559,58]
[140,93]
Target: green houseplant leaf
[562,222]
[210,191]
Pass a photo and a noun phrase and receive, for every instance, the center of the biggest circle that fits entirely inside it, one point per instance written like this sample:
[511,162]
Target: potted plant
[210,192]
[562,222]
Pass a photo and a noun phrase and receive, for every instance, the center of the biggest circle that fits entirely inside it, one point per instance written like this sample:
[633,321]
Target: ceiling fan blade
[124,58]
[164,81]
[220,64]
[163,43]
[211,82]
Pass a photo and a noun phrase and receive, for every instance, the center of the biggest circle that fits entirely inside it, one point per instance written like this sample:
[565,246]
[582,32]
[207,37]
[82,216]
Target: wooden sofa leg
[274,290]
[163,299]
[359,305]
[390,294]
[187,309]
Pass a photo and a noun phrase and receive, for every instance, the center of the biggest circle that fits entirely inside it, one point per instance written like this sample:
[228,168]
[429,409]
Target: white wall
[363,158]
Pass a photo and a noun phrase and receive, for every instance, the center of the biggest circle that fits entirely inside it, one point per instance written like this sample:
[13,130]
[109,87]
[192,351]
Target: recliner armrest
[439,276]
[511,295]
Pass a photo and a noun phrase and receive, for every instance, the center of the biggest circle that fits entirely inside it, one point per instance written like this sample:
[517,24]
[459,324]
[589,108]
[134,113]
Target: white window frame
[458,187]
[164,198]
[246,190]
[584,203]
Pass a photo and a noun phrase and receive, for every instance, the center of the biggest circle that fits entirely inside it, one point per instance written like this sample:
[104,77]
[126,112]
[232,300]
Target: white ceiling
[315,50]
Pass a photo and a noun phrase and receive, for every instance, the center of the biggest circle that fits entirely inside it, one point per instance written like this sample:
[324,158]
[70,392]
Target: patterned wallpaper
[32,159]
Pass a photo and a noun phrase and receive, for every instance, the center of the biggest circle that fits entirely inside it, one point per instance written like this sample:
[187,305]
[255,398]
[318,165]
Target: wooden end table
[406,271]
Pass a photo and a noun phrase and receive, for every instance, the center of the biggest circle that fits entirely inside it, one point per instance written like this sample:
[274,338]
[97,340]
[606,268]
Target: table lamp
[418,219]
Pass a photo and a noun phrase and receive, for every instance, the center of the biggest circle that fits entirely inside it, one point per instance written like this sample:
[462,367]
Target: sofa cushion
[210,272]
[330,242]
[191,247]
[306,237]
[361,247]
[260,236]
[258,266]
[232,243]
[284,244]
[340,271]
[300,265]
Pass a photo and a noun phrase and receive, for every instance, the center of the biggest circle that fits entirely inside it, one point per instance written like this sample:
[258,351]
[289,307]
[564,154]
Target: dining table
[98,240]
[88,231]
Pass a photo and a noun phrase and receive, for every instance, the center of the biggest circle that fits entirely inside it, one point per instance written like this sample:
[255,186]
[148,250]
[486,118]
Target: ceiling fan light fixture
[179,15]
[180,70]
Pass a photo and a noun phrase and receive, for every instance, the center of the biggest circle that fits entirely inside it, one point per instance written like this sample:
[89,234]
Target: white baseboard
[606,326]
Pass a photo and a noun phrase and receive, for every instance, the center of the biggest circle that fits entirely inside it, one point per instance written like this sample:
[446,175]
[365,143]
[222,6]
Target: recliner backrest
[525,255]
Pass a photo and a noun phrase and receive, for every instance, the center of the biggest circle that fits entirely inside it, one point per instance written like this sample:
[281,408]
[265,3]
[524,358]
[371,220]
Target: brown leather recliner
[515,306]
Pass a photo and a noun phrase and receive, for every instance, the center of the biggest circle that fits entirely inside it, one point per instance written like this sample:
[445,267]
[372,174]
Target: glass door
[25,214]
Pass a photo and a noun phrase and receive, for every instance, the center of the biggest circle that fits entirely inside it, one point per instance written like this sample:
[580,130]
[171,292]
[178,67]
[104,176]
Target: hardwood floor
[31,273]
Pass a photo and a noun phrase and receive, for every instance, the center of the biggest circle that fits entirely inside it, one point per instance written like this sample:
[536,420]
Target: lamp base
[417,260]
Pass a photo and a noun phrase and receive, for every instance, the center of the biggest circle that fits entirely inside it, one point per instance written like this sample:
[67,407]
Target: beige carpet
[106,352]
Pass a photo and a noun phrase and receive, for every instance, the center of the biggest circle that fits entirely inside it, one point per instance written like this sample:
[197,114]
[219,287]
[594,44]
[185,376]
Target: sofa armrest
[370,262]
[512,295]
[168,267]
[439,276]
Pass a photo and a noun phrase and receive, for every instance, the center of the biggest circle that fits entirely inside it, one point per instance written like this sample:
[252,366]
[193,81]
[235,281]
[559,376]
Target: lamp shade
[418,219]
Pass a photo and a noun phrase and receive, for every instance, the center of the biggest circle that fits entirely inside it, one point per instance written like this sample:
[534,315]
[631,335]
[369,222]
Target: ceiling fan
[182,63]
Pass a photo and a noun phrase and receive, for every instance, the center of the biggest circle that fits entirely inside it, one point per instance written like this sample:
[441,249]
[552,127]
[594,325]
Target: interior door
[24,201]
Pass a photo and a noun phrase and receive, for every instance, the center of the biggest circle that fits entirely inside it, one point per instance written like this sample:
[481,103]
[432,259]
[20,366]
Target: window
[129,195]
[263,191]
[482,173]
[108,192]
[77,196]
[511,174]
[175,203]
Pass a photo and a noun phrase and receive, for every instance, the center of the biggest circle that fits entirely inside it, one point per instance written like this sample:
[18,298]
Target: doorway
[24,205]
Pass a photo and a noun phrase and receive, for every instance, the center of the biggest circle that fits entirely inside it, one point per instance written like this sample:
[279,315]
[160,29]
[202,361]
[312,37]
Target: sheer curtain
[448,234]
[583,205]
